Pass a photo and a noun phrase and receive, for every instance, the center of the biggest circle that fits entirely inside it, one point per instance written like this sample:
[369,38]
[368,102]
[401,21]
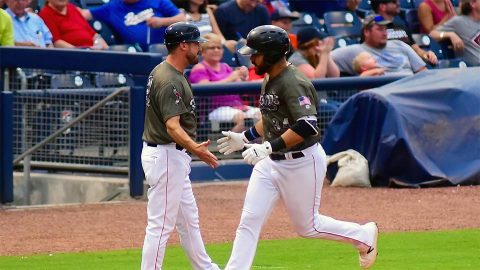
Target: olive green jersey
[168,94]
[283,100]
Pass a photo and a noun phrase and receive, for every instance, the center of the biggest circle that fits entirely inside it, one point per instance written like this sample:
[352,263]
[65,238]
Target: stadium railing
[99,128]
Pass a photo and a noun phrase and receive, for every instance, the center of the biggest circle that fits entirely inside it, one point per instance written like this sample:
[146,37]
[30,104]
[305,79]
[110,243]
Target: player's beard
[261,69]
[192,58]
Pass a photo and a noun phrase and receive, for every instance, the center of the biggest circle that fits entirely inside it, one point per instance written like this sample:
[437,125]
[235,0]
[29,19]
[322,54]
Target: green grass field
[419,250]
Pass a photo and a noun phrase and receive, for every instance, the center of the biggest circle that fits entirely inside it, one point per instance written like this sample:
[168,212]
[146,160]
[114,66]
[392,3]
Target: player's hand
[201,151]
[231,142]
[256,152]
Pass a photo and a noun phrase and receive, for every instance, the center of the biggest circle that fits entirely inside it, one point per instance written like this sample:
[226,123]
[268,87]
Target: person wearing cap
[394,56]
[313,57]
[464,32]
[168,137]
[390,9]
[283,18]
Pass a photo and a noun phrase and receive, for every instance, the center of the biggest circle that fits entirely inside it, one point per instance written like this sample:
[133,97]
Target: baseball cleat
[367,258]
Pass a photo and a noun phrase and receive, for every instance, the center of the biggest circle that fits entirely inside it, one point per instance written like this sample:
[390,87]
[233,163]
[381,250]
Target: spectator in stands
[464,32]
[69,29]
[226,108]
[237,17]
[283,18]
[352,5]
[141,22]
[313,57]
[6,29]
[365,64]
[390,9]
[433,13]
[29,28]
[200,13]
[394,56]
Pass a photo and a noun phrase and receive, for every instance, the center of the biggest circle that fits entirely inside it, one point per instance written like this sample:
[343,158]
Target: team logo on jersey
[178,97]
[269,103]
[147,96]
[193,106]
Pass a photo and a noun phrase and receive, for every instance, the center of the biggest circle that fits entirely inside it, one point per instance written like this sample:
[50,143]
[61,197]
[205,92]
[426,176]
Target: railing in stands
[137,67]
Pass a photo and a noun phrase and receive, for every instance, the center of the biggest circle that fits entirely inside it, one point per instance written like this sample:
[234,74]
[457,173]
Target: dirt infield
[121,225]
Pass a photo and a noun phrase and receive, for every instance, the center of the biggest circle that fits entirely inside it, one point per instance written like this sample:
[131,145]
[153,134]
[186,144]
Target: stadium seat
[407,4]
[69,81]
[131,48]
[341,42]
[92,3]
[229,57]
[427,43]
[111,80]
[307,19]
[343,24]
[411,18]
[452,63]
[159,48]
[106,32]
[364,8]
[417,3]
[318,7]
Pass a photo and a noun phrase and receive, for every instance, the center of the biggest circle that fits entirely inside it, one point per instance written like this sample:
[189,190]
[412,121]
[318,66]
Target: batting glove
[256,152]
[231,142]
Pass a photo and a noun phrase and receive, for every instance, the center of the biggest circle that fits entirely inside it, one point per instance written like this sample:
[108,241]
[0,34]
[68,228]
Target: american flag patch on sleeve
[303,100]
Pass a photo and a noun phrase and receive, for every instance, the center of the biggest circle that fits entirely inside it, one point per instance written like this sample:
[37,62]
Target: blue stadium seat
[70,81]
[159,48]
[92,3]
[341,42]
[407,4]
[318,7]
[411,18]
[343,24]
[106,32]
[111,80]
[364,8]
[452,63]
[131,48]
[307,19]
[427,43]
[417,3]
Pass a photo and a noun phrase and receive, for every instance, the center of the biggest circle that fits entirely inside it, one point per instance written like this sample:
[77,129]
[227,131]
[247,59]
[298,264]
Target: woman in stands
[433,13]
[226,108]
[313,57]
[200,13]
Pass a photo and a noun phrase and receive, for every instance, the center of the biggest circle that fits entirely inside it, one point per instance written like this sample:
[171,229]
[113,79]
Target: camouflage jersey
[283,100]
[168,94]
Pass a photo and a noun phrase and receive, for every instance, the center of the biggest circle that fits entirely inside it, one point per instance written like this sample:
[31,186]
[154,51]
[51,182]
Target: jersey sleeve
[300,100]
[170,101]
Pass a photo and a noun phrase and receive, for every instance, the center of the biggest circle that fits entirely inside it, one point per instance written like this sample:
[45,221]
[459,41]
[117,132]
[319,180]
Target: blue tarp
[423,130]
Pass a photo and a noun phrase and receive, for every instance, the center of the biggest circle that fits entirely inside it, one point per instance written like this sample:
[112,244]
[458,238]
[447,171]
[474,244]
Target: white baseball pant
[171,202]
[298,182]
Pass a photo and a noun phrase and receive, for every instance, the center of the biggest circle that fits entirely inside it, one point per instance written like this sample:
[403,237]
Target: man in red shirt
[69,28]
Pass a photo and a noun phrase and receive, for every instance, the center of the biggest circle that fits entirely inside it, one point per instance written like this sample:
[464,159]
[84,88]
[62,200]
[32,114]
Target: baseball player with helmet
[290,164]
[169,132]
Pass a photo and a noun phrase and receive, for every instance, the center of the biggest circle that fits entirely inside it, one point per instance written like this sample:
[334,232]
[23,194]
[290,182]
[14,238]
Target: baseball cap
[281,13]
[375,19]
[305,34]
